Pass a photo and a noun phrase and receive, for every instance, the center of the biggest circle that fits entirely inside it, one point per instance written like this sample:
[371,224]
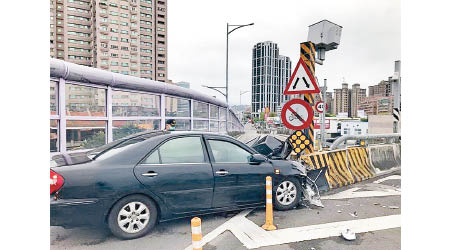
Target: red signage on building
[318,123]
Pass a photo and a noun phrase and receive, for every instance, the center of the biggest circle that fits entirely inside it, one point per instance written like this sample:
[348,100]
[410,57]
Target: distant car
[132,183]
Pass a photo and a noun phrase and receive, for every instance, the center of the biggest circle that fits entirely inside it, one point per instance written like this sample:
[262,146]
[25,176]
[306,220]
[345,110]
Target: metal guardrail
[362,137]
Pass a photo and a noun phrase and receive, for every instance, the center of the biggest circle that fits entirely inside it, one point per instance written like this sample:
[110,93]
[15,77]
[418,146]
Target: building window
[177,107]
[125,128]
[85,134]
[200,110]
[85,101]
[54,136]
[135,104]
[200,125]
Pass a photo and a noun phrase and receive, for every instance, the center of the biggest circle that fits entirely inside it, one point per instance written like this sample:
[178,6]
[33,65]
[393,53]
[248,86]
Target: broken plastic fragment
[312,196]
[354,214]
[348,234]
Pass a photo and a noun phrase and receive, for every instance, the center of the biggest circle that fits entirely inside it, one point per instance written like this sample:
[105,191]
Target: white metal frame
[62,118]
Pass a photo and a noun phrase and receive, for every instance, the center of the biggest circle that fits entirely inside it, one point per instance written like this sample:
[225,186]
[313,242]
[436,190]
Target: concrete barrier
[384,157]
[343,167]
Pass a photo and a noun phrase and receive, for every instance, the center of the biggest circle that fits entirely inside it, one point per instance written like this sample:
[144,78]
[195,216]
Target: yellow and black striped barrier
[344,167]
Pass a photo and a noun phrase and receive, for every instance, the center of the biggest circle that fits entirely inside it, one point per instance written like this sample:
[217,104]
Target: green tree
[96,140]
[128,129]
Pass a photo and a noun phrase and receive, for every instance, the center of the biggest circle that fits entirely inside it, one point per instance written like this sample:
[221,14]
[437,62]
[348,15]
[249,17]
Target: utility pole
[322,126]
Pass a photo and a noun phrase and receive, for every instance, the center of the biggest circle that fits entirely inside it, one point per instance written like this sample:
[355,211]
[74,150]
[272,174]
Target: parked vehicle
[133,183]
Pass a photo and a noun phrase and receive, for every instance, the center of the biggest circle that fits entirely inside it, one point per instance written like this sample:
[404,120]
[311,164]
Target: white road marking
[252,236]
[321,231]
[375,190]
[392,177]
[222,228]
[353,193]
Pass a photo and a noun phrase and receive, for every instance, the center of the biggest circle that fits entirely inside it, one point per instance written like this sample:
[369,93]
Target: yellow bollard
[196,227]
[269,206]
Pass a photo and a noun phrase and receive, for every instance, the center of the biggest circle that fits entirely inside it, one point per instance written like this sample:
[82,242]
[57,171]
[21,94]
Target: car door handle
[150,174]
[222,172]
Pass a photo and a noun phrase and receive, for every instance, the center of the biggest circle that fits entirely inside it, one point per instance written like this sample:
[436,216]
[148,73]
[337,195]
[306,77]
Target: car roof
[164,133]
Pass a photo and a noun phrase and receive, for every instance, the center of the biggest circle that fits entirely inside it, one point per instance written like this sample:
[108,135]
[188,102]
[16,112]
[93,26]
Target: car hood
[270,146]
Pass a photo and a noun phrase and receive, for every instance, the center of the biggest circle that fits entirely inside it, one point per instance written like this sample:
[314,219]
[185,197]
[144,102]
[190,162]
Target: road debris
[313,197]
[348,234]
[354,214]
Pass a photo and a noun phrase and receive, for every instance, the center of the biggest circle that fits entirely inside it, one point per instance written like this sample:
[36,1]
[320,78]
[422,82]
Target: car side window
[153,158]
[228,152]
[179,150]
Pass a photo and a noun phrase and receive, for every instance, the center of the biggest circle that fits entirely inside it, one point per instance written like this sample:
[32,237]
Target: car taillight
[56,182]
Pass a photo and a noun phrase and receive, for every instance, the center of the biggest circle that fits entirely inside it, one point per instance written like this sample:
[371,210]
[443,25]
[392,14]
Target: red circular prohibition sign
[288,106]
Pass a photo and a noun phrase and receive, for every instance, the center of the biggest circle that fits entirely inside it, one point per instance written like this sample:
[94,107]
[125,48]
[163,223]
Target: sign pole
[308,54]
[322,126]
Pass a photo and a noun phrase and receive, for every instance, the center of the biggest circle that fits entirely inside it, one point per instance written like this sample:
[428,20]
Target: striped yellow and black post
[308,53]
[196,227]
[269,226]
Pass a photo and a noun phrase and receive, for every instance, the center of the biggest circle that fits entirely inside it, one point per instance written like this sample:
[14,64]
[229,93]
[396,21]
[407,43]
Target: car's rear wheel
[132,217]
[287,194]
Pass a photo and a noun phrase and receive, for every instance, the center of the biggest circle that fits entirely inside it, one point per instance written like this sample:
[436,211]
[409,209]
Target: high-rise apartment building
[341,99]
[357,94]
[383,88]
[348,100]
[270,74]
[122,36]
[377,105]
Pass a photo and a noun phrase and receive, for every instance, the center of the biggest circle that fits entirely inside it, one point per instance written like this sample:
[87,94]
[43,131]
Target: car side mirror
[257,159]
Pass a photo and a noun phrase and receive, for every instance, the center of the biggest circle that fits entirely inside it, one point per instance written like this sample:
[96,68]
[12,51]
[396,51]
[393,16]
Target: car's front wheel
[132,217]
[287,194]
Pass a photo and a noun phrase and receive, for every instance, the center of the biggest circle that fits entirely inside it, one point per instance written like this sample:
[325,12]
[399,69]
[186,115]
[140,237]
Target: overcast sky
[370,41]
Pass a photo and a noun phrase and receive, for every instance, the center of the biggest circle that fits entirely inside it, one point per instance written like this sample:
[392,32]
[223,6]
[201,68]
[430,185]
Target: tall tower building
[127,37]
[341,99]
[270,74]
[357,95]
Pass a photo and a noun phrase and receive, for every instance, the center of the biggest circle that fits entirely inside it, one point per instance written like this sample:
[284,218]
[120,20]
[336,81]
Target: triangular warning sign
[302,81]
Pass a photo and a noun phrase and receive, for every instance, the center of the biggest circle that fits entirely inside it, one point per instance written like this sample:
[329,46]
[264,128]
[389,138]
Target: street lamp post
[229,32]
[240,95]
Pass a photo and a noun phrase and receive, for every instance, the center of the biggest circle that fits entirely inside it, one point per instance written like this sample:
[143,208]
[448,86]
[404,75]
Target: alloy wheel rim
[286,193]
[133,217]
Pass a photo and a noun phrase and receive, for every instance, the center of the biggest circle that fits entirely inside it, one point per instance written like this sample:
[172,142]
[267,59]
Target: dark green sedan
[132,183]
